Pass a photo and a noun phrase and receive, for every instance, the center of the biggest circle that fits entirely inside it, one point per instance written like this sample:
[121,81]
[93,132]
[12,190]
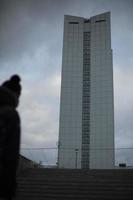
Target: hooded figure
[9,136]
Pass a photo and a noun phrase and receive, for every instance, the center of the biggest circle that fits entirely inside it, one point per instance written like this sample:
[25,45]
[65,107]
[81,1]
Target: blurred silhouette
[10,91]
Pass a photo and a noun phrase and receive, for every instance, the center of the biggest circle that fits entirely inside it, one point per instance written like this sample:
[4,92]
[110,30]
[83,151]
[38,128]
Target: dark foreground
[62,184]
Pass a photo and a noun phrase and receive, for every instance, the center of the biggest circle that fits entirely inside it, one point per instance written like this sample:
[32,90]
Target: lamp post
[76,159]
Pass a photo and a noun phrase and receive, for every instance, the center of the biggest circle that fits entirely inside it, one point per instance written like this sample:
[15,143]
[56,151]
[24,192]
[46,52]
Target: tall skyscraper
[86,131]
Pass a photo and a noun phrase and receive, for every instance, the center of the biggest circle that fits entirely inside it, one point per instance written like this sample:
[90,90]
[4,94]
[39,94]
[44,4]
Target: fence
[44,156]
[49,156]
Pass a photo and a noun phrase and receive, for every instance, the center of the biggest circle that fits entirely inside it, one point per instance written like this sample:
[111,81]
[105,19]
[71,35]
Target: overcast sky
[31,38]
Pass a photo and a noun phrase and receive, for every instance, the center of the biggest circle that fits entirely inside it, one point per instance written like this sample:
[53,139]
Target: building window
[73,22]
[102,20]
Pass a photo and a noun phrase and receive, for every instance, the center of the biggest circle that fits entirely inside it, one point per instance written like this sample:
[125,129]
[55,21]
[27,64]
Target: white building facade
[86,130]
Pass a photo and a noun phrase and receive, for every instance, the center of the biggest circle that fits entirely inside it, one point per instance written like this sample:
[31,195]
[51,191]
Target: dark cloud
[27,25]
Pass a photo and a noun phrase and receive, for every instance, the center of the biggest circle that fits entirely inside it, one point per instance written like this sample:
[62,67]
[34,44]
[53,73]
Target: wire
[55,148]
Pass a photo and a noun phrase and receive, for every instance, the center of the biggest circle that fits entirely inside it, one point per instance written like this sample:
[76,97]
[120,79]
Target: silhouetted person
[10,91]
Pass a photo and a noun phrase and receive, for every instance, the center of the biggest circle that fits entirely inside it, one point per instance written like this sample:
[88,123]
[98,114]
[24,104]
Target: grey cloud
[123,114]
[40,112]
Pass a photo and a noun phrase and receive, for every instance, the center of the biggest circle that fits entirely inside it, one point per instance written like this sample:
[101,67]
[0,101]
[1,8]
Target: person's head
[13,84]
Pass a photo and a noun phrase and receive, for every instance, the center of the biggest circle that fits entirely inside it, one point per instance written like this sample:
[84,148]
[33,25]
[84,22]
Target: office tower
[86,131]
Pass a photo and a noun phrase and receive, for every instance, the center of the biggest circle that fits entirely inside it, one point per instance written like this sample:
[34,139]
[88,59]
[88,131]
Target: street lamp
[76,160]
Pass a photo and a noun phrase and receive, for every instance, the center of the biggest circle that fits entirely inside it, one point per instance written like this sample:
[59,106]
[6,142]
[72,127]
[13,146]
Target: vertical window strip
[86,98]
